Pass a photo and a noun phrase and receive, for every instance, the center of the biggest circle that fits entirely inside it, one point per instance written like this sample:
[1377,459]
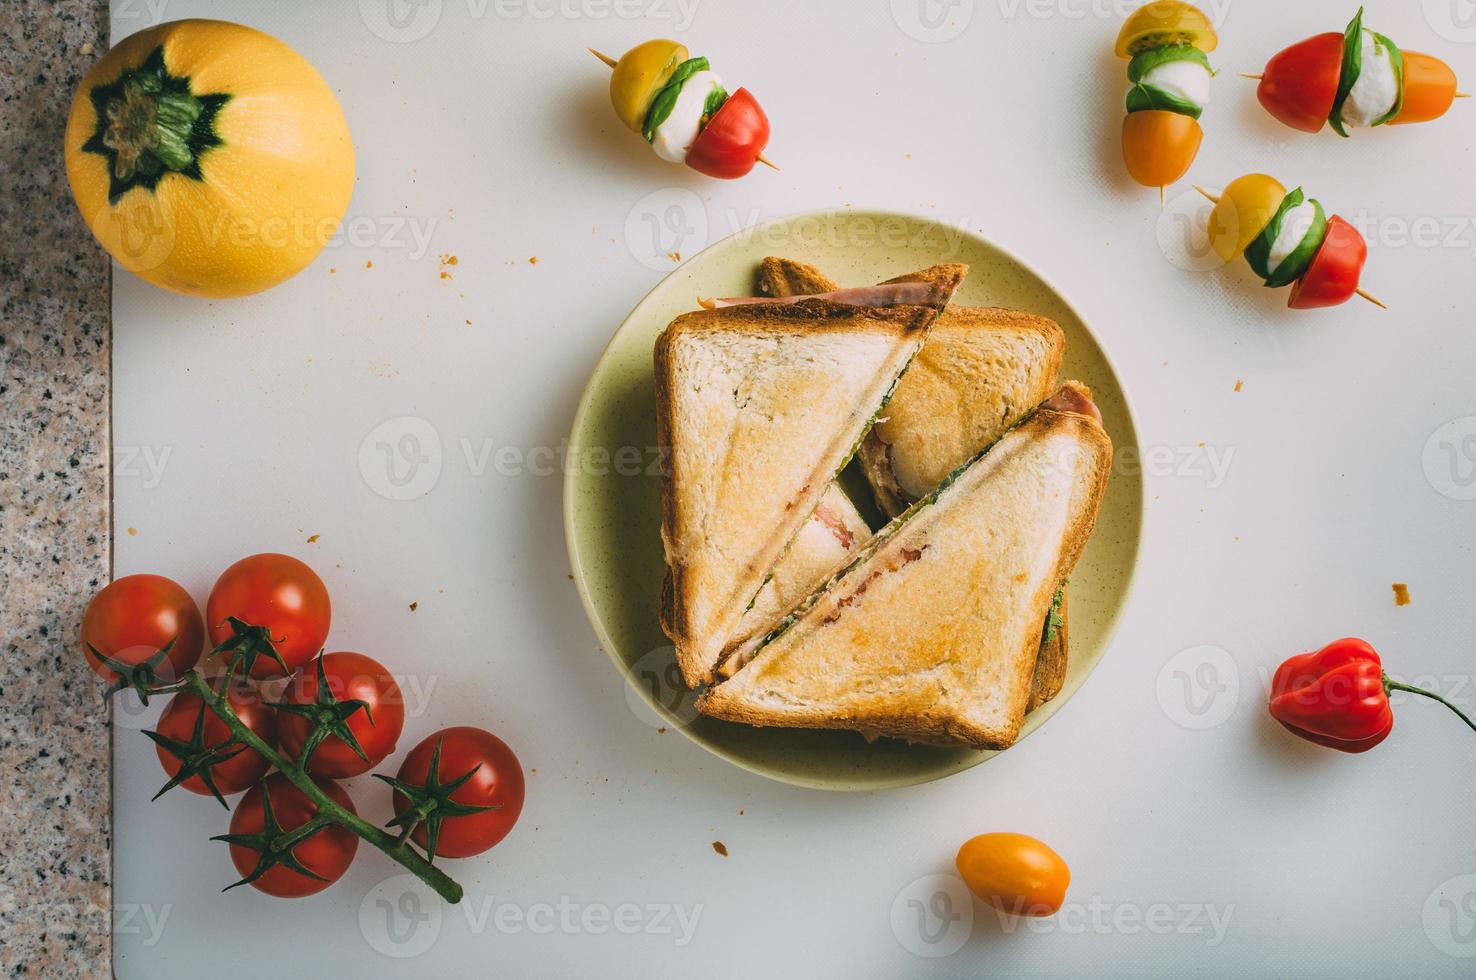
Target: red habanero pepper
[1339,696]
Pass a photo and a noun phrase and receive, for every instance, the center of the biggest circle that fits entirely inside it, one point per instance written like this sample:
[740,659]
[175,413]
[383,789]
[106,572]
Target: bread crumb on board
[1401,594]
[414,606]
[1239,384]
[720,847]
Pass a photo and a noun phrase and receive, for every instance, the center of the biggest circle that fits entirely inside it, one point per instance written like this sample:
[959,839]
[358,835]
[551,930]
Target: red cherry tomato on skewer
[1332,278]
[1301,83]
[733,139]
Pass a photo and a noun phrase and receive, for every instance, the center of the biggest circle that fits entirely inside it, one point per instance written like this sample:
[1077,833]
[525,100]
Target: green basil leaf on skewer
[1141,97]
[1292,267]
[666,96]
[1258,252]
[1352,67]
[1146,61]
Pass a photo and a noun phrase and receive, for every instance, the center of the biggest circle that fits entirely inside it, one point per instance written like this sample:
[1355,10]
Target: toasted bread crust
[905,326]
[1050,663]
[785,277]
[756,694]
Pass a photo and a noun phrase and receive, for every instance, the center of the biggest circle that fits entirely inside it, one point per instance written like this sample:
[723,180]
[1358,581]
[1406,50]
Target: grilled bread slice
[981,370]
[760,406]
[931,633]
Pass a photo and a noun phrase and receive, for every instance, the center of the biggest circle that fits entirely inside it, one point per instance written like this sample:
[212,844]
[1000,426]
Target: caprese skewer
[1166,43]
[1288,240]
[684,112]
[1356,79]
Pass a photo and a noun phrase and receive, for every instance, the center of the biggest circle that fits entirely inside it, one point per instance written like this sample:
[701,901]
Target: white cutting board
[252,424]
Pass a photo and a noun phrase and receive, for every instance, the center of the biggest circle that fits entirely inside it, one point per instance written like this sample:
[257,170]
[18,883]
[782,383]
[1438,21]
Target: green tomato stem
[1392,685]
[398,849]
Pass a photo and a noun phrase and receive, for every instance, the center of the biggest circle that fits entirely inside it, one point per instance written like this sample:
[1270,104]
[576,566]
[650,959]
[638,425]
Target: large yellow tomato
[209,158]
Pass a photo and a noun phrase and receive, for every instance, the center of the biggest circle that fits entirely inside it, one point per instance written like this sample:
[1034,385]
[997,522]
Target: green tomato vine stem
[398,848]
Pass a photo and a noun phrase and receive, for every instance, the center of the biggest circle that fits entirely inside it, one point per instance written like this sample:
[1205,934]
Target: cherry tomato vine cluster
[296,830]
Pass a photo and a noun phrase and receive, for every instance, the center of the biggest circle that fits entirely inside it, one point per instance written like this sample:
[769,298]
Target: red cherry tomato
[133,618]
[499,782]
[350,677]
[241,771]
[328,853]
[281,595]
[1332,278]
[1301,83]
[733,139]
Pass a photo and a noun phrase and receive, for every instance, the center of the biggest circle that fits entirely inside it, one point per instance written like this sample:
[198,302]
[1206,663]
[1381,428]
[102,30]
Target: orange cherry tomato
[1014,873]
[1429,88]
[1158,146]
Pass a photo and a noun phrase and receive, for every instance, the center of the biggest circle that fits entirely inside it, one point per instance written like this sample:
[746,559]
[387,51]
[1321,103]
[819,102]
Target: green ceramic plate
[612,496]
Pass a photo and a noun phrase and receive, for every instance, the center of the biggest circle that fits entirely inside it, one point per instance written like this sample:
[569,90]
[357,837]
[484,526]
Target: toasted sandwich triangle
[981,370]
[932,632]
[760,407]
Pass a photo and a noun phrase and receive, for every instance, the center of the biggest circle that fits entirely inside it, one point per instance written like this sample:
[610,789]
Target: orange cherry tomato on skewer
[1159,146]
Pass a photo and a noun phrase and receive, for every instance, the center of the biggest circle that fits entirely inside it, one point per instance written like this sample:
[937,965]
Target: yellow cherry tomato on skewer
[1164,22]
[1244,209]
[635,78]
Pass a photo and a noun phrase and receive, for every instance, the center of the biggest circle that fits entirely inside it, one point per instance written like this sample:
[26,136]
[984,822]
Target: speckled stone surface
[55,545]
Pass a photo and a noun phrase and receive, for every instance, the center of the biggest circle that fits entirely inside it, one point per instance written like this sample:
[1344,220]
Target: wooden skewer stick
[1257,77]
[1361,292]
[1162,197]
[611,62]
